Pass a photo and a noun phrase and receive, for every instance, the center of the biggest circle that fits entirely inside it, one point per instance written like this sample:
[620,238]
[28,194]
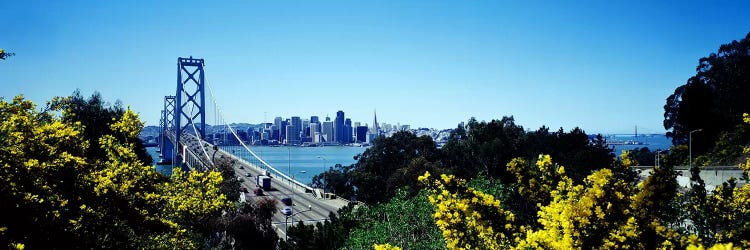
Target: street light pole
[286,227]
[690,147]
[286,233]
[324,162]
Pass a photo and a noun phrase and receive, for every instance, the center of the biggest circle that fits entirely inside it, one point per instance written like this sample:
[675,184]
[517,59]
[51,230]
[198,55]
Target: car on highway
[242,167]
[248,175]
[244,189]
[286,211]
[287,201]
[258,192]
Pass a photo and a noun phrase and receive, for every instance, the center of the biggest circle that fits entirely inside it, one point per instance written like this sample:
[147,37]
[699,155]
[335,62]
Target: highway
[316,209]
[305,206]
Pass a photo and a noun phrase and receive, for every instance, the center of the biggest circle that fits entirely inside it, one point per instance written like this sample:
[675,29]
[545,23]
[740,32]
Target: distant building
[361,134]
[348,130]
[297,123]
[277,121]
[292,136]
[327,131]
[251,134]
[375,127]
[317,138]
[242,135]
[305,128]
[338,128]
[314,119]
[315,132]
[282,130]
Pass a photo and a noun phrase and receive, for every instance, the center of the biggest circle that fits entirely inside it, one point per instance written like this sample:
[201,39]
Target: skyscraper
[338,127]
[292,135]
[305,129]
[361,134]
[314,119]
[277,121]
[327,130]
[315,132]
[297,123]
[375,127]
[282,131]
[348,130]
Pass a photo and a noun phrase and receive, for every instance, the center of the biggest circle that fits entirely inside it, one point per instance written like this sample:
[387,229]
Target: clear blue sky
[602,66]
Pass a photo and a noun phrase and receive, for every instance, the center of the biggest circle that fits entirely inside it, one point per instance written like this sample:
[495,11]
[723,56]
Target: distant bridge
[183,143]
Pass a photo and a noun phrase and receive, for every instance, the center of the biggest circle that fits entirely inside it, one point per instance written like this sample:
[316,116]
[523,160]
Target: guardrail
[276,171]
[192,159]
[688,168]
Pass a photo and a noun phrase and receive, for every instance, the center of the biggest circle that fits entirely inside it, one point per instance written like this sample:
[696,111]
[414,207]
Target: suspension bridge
[184,142]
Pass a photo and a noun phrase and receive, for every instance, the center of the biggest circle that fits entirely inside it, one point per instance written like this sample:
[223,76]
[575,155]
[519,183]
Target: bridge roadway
[319,208]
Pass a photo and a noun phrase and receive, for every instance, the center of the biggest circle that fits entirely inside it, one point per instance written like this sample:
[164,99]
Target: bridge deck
[302,198]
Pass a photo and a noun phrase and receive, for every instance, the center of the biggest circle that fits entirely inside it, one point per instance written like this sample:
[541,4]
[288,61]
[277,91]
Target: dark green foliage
[456,154]
[382,168]
[697,205]
[405,220]
[249,226]
[491,145]
[728,148]
[337,180]
[714,99]
[480,148]
[658,202]
[574,150]
[390,164]
[230,186]
[488,146]
[96,115]
[643,156]
[330,234]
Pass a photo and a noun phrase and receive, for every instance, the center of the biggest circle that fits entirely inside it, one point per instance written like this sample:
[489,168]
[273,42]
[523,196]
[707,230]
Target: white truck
[263,182]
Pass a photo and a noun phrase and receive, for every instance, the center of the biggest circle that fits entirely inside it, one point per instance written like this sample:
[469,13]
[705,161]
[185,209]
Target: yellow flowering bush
[386,246]
[586,216]
[627,159]
[536,182]
[57,195]
[468,218]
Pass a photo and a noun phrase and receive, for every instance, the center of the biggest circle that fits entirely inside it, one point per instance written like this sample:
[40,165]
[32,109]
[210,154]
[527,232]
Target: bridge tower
[161,131]
[190,97]
[168,149]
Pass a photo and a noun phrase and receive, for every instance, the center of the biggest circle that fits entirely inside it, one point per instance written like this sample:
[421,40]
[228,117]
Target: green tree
[330,234]
[405,221]
[96,115]
[389,164]
[336,179]
[712,99]
[378,172]
[249,226]
[728,149]
[643,156]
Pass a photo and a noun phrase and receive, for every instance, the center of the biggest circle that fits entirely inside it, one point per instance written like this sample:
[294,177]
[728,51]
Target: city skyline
[295,130]
[602,66]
